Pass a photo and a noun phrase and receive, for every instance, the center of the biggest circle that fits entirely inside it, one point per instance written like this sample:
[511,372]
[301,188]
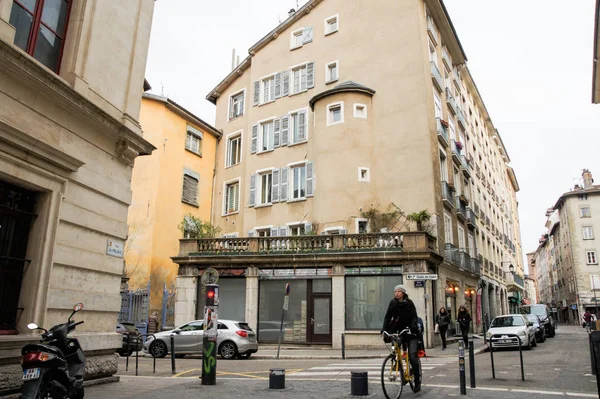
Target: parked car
[498,333]
[235,338]
[540,331]
[131,333]
[268,331]
[546,317]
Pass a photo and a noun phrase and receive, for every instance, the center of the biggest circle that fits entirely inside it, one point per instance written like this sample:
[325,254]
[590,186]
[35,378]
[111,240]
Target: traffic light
[212,295]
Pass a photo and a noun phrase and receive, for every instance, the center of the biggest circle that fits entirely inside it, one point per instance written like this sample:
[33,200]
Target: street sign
[421,276]
[419,283]
[210,276]
[288,287]
[286,303]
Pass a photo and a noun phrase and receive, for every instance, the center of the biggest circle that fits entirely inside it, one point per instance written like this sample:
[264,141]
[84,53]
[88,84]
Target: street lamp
[511,269]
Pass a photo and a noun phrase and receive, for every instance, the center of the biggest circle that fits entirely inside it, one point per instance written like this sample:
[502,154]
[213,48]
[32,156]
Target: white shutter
[252,200]
[307,35]
[276,133]
[231,108]
[283,184]
[285,130]
[301,126]
[237,197]
[310,75]
[257,92]
[272,91]
[310,180]
[278,85]
[283,231]
[274,231]
[275,186]
[285,83]
[307,228]
[254,142]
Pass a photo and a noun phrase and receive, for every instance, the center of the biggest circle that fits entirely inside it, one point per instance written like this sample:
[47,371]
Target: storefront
[451,291]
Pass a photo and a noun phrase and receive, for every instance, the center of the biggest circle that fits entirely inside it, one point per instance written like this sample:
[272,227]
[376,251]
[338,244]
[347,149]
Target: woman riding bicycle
[402,314]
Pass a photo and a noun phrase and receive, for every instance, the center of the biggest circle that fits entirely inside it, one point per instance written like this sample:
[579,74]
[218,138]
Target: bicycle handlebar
[406,331]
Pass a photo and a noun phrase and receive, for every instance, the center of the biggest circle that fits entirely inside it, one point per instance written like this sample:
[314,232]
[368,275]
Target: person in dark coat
[401,313]
[443,321]
[464,321]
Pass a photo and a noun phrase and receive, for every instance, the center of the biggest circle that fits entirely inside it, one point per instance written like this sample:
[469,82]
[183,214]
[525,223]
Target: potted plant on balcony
[419,218]
[459,145]
[444,123]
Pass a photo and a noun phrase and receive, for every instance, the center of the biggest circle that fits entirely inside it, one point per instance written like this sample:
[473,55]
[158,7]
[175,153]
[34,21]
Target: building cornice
[565,196]
[513,178]
[444,23]
[15,62]
[346,87]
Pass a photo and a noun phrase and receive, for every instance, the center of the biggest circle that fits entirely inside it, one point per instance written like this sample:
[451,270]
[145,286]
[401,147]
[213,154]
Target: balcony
[436,77]
[456,151]
[514,280]
[487,221]
[447,194]
[465,166]
[446,58]
[462,260]
[461,118]
[450,101]
[476,266]
[476,209]
[461,210]
[471,222]
[432,30]
[442,132]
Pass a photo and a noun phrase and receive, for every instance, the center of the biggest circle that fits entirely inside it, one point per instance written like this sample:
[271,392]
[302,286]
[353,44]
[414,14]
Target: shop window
[367,299]
[232,299]
[295,321]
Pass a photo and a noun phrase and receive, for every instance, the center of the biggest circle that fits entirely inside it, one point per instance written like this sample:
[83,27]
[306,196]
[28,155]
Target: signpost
[209,340]
[286,304]
[421,276]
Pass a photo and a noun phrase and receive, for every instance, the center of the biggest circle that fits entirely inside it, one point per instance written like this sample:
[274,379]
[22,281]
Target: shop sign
[377,270]
[282,274]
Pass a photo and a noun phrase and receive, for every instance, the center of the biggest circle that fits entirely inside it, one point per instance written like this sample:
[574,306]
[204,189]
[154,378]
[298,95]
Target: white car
[504,328]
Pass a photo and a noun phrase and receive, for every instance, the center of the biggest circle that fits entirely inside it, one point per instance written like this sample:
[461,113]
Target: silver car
[235,338]
[504,328]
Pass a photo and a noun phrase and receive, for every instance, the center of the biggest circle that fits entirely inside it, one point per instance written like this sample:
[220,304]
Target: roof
[562,198]
[185,113]
[596,63]
[438,11]
[513,178]
[345,87]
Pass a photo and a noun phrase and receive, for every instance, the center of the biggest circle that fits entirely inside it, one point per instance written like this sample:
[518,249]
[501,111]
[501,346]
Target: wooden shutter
[275,186]
[278,85]
[274,231]
[252,199]
[236,207]
[257,92]
[301,126]
[307,35]
[285,130]
[254,141]
[310,180]
[272,91]
[276,133]
[283,231]
[190,190]
[285,78]
[310,75]
[283,184]
[307,228]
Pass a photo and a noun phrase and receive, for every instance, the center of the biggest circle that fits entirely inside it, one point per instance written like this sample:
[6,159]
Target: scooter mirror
[32,326]
[78,307]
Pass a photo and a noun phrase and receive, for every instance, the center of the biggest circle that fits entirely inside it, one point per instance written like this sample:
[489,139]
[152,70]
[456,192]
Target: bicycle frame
[401,351]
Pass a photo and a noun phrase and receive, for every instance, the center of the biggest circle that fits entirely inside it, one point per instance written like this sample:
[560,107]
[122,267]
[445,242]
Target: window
[360,111]
[582,197]
[298,182]
[448,228]
[594,282]
[266,184]
[331,72]
[297,230]
[236,105]
[298,126]
[41,27]
[234,149]
[331,24]
[584,212]
[591,257]
[437,103]
[364,309]
[588,233]
[266,134]
[193,140]
[189,193]
[451,128]
[443,166]
[432,53]
[362,226]
[301,37]
[335,113]
[461,238]
[232,197]
[299,79]
[364,174]
[268,89]
[263,232]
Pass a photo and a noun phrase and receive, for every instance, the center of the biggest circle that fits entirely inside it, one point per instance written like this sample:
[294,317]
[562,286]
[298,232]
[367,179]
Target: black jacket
[400,314]
[464,319]
[443,319]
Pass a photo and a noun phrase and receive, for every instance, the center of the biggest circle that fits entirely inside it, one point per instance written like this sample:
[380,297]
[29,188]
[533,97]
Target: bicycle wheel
[391,377]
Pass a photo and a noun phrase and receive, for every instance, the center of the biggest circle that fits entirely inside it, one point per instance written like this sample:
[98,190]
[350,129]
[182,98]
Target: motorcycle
[55,367]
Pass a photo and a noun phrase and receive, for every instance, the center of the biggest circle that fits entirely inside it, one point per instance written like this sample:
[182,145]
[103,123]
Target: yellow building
[176,180]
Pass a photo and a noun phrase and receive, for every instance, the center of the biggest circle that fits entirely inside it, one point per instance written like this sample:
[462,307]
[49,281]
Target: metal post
[472,363]
[521,356]
[492,357]
[592,354]
[286,303]
[209,343]
[127,355]
[461,368]
[172,353]
[343,346]
[280,332]
[137,356]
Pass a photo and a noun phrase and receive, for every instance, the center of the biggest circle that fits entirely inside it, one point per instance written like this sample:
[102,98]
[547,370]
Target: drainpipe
[214,182]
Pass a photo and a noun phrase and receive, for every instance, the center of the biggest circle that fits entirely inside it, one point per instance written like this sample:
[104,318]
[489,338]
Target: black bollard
[461,368]
[136,359]
[592,354]
[127,354]
[359,383]
[521,356]
[492,357]
[276,378]
[343,346]
[172,354]
[472,363]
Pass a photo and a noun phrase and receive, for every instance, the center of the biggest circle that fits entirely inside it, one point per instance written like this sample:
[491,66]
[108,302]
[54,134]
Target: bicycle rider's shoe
[417,385]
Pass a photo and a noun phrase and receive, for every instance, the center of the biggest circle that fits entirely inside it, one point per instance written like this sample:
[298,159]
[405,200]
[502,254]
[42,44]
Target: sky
[531,60]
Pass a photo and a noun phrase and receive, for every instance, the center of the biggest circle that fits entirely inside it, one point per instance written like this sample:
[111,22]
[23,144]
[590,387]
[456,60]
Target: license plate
[31,374]
[504,341]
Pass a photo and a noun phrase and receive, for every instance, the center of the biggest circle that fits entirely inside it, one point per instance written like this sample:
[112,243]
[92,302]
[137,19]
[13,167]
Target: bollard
[276,378]
[596,353]
[461,368]
[136,358]
[343,346]
[472,363]
[492,357]
[521,355]
[359,383]
[172,354]
[592,354]
[127,354]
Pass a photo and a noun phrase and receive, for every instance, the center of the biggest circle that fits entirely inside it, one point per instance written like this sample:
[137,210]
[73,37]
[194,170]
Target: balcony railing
[395,241]
[476,208]
[432,30]
[471,217]
[456,151]
[466,166]
[462,259]
[514,279]
[436,76]
[446,58]
[442,132]
[461,210]
[447,194]
[461,118]
[450,101]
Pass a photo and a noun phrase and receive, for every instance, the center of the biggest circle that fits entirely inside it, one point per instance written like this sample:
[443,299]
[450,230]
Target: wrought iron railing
[436,75]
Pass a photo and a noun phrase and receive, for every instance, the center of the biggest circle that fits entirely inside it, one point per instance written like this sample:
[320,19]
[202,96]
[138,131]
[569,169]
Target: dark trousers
[413,357]
[465,335]
[443,330]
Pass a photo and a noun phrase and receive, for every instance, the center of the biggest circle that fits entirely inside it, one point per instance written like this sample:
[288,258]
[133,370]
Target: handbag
[437,328]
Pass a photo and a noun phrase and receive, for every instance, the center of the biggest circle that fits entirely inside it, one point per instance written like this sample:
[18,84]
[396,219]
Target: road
[559,367]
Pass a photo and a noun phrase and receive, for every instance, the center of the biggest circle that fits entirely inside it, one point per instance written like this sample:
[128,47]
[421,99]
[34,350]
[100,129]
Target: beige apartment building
[567,256]
[325,130]
[69,134]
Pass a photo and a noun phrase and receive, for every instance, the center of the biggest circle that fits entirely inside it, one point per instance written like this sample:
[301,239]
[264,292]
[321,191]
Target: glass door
[320,319]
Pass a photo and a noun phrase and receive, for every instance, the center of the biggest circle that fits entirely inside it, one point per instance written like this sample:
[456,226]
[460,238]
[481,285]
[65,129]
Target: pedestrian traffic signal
[212,297]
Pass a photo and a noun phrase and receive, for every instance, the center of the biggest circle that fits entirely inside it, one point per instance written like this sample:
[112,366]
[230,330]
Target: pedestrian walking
[587,317]
[442,319]
[464,321]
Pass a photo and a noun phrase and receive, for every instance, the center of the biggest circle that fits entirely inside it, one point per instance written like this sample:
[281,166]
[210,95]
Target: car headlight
[488,334]
[522,333]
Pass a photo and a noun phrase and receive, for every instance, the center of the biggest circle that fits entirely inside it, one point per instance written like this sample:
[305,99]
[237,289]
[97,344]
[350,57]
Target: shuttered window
[236,105]
[234,150]
[193,141]
[232,197]
[298,126]
[190,190]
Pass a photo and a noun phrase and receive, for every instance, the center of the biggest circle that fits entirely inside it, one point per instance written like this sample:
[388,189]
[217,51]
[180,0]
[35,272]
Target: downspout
[214,182]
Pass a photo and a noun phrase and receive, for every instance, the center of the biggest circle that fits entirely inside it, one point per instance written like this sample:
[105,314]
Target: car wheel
[244,355]
[228,350]
[158,349]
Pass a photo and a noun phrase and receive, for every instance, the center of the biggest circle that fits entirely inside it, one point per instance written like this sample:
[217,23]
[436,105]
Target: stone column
[185,299]
[338,305]
[7,31]
[493,301]
[252,297]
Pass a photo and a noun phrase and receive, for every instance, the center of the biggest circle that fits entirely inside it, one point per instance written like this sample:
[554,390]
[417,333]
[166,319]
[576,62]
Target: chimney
[587,179]
[291,12]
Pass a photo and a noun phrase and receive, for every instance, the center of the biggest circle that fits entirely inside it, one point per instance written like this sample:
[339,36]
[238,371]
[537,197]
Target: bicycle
[396,370]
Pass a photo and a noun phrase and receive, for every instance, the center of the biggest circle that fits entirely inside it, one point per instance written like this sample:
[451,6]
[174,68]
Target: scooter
[55,367]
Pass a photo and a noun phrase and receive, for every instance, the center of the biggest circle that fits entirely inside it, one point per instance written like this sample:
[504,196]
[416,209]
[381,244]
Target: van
[545,315]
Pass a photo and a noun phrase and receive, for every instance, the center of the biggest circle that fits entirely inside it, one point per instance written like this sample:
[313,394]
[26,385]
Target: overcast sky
[531,60]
